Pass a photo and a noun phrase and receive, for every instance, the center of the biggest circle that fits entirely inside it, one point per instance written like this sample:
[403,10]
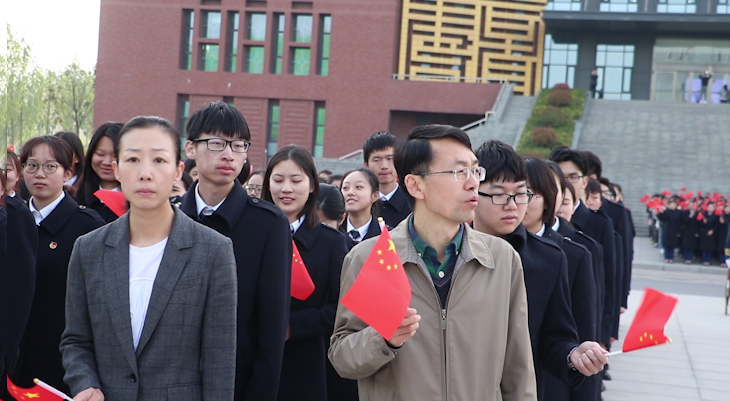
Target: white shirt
[556,226]
[143,266]
[386,197]
[577,205]
[71,181]
[296,224]
[362,230]
[200,203]
[40,215]
[541,232]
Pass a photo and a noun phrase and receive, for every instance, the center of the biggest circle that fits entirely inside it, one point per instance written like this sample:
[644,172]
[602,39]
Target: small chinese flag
[301,282]
[40,392]
[381,292]
[647,329]
[114,200]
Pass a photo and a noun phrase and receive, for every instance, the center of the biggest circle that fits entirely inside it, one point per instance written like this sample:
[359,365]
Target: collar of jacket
[180,234]
[231,209]
[60,215]
[580,216]
[553,236]
[518,238]
[399,200]
[306,236]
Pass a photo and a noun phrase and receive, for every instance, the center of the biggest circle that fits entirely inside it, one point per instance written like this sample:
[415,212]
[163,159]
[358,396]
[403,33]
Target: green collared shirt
[439,270]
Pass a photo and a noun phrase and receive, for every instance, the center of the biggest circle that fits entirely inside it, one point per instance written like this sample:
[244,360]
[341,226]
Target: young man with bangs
[378,154]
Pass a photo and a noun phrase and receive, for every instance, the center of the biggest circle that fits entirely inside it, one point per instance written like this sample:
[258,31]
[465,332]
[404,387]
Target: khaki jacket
[476,348]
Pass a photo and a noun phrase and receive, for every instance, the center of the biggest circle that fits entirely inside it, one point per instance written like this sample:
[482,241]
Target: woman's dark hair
[245,173]
[414,156]
[374,186]
[258,172]
[558,173]
[77,147]
[88,182]
[304,160]
[542,182]
[60,151]
[218,118]
[15,161]
[3,181]
[330,202]
[187,180]
[141,122]
[189,165]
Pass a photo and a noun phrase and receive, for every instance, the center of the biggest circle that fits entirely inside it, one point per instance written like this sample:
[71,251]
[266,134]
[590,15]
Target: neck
[483,228]
[388,188]
[293,216]
[214,194]
[582,197]
[108,184]
[534,228]
[148,227]
[360,218]
[436,231]
[41,203]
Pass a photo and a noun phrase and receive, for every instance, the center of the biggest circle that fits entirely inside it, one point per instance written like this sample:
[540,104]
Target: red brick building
[315,73]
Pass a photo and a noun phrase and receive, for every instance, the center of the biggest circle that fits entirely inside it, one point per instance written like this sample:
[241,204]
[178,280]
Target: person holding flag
[468,308]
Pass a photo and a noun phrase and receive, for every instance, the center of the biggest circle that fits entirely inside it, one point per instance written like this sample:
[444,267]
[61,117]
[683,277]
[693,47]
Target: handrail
[349,155]
[447,78]
[474,124]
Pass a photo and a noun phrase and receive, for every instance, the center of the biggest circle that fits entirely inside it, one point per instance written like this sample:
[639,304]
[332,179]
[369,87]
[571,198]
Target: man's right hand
[90,394]
[407,328]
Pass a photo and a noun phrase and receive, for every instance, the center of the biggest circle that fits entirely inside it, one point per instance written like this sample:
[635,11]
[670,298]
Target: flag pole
[613,353]
[50,389]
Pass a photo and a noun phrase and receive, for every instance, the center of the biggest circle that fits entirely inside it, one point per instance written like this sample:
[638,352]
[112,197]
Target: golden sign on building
[473,41]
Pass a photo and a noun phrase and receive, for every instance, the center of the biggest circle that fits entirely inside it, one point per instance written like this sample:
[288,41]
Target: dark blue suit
[621,219]
[396,209]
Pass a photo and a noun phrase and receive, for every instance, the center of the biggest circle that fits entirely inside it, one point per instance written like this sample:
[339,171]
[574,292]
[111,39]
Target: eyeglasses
[503,199]
[253,189]
[218,145]
[463,174]
[573,177]
[607,194]
[48,167]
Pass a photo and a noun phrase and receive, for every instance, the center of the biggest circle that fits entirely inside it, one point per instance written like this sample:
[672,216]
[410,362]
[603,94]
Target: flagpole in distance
[50,388]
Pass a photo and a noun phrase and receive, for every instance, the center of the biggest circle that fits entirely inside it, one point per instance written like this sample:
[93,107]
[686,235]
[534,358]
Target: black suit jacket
[599,227]
[303,372]
[671,227]
[621,219]
[106,214]
[550,320]
[373,231]
[262,246]
[396,209]
[56,236]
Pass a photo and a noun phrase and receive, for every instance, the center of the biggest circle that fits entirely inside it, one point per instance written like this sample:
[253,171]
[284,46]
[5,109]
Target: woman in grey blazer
[151,299]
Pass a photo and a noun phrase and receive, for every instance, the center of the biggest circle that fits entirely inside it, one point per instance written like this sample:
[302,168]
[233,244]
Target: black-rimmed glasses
[573,177]
[522,198]
[463,174]
[218,144]
[253,189]
[47,167]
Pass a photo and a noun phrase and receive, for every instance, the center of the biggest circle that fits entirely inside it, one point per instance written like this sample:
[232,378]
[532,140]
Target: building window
[300,61]
[211,25]
[256,27]
[254,59]
[619,6]
[324,46]
[186,56]
[277,65]
[208,57]
[677,6]
[564,5]
[183,112]
[723,7]
[272,143]
[302,29]
[233,27]
[559,61]
[319,117]
[614,64]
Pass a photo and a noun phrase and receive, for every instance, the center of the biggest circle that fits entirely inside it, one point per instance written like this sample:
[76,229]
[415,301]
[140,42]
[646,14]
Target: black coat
[57,234]
[583,305]
[671,227]
[690,229]
[621,219]
[106,214]
[599,227]
[618,241]
[262,244]
[373,231]
[708,232]
[303,374]
[395,210]
[550,320]
[722,234]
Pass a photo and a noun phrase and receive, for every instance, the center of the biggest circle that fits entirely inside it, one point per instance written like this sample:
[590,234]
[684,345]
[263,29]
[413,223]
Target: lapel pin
[53,245]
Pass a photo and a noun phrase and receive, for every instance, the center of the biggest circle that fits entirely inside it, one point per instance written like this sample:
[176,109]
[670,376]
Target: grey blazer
[187,351]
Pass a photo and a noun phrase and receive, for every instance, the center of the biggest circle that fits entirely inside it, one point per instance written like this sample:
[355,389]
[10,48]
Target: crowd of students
[520,268]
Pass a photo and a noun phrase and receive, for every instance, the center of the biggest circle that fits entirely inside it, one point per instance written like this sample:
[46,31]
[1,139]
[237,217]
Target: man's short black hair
[593,163]
[378,141]
[218,118]
[605,181]
[565,154]
[593,187]
[415,154]
[502,162]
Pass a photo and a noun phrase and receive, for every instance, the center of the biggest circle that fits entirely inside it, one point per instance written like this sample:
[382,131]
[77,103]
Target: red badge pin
[53,245]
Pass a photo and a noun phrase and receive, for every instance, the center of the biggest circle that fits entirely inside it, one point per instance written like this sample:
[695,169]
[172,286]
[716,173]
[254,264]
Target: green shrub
[533,154]
[560,98]
[561,87]
[543,136]
[551,116]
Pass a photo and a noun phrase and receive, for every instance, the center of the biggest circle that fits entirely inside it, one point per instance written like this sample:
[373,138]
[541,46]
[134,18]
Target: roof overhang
[562,21]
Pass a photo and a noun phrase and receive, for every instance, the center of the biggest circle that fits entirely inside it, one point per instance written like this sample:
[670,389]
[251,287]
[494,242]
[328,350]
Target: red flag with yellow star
[39,392]
[647,329]
[301,282]
[114,200]
[381,292]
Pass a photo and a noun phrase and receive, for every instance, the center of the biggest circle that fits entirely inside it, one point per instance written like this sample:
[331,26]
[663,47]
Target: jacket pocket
[184,392]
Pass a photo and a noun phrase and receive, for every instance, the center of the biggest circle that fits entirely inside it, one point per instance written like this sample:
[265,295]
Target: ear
[115,168]
[178,171]
[414,185]
[67,174]
[190,150]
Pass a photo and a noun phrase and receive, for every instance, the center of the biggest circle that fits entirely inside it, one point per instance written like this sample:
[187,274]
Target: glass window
[324,46]
[233,26]
[302,28]
[254,59]
[211,24]
[697,53]
[300,61]
[677,6]
[614,64]
[208,57]
[186,56]
[256,27]
[273,132]
[619,6]
[723,7]
[183,112]
[319,116]
[559,61]
[276,66]
[564,5]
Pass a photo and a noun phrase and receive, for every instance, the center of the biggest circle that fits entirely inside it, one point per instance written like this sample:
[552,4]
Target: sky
[56,30]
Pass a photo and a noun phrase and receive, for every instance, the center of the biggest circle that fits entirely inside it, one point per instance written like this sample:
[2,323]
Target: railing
[497,108]
[406,77]
[349,155]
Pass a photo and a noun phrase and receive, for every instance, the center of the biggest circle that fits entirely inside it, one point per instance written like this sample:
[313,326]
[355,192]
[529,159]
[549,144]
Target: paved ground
[648,257]
[510,126]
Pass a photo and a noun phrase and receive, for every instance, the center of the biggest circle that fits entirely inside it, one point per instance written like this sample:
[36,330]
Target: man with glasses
[502,205]
[468,306]
[218,141]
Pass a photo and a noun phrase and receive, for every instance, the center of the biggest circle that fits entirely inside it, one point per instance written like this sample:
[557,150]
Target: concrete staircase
[648,147]
[510,125]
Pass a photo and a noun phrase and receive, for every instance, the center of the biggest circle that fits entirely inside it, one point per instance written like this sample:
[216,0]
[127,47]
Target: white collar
[40,215]
[541,232]
[200,203]
[556,226]
[387,197]
[113,189]
[577,205]
[296,224]
[362,230]
[71,181]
